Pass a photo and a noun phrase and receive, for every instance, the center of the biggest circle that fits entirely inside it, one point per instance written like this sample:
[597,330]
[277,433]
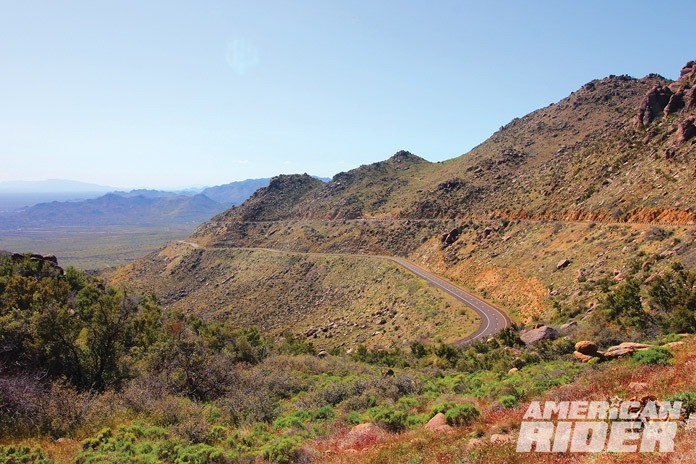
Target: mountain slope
[589,182]
[571,158]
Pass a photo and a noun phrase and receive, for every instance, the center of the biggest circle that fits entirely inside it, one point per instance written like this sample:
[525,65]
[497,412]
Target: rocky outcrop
[544,332]
[624,349]
[450,237]
[654,104]
[664,100]
[45,262]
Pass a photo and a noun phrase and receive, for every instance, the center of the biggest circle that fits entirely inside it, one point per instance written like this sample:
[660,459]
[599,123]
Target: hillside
[533,219]
[337,301]
[93,373]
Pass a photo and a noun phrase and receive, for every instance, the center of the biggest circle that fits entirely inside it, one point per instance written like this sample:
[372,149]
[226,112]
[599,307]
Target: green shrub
[282,450]
[23,455]
[654,356]
[389,417]
[296,420]
[462,414]
[508,401]
[442,408]
[418,350]
[354,417]
[140,444]
[688,400]
[325,412]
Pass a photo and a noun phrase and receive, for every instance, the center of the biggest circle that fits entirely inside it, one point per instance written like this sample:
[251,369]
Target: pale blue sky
[170,93]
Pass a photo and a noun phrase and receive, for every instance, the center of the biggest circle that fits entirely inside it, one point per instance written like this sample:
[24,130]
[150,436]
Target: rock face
[538,334]
[438,424]
[664,100]
[653,104]
[685,131]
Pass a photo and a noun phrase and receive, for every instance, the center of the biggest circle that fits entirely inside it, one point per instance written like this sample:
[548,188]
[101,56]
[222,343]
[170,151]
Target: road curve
[493,320]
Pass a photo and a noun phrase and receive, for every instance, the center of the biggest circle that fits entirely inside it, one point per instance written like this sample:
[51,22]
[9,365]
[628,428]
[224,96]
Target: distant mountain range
[234,193]
[141,207]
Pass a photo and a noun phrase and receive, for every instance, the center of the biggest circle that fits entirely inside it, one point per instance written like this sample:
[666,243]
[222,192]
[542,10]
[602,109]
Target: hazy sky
[171,93]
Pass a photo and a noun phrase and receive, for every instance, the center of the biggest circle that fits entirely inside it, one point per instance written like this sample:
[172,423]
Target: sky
[171,94]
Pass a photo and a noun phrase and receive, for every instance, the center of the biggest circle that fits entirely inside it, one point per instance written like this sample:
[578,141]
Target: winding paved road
[493,320]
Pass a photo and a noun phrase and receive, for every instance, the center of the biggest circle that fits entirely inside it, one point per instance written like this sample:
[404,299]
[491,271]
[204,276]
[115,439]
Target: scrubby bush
[418,350]
[462,414]
[390,417]
[71,327]
[23,455]
[654,355]
[674,301]
[688,400]
[283,450]
[508,401]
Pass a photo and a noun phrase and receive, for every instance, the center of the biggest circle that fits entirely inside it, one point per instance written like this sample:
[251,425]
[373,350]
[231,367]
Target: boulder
[586,347]
[637,386]
[618,352]
[582,357]
[450,237]
[563,263]
[624,349]
[322,354]
[362,436]
[502,439]
[633,345]
[438,424]
[544,332]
